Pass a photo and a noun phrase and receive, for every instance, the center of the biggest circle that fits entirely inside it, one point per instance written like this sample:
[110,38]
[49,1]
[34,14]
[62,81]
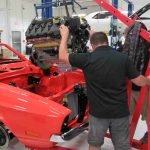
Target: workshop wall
[91,5]
[16,15]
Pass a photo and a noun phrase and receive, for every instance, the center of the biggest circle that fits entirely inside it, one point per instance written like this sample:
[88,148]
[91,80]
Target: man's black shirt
[106,72]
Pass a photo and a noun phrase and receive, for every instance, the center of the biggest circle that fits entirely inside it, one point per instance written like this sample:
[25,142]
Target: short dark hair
[98,38]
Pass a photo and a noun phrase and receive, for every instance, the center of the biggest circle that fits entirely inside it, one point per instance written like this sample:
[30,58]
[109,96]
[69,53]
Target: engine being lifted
[43,36]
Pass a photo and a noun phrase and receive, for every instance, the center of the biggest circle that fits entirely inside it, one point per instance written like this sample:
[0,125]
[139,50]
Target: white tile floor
[80,142]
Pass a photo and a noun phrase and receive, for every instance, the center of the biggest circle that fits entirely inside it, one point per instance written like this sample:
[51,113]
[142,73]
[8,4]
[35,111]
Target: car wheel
[4,138]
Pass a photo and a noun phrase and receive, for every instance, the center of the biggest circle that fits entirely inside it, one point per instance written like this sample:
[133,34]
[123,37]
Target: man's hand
[64,32]
[141,81]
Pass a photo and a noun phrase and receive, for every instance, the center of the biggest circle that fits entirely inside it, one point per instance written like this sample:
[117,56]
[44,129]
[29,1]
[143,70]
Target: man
[105,73]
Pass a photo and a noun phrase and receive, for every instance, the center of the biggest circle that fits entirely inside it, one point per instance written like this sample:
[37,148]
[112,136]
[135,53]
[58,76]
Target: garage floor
[80,142]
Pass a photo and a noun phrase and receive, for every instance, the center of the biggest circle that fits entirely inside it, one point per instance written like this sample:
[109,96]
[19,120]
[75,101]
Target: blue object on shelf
[130,7]
[113,29]
[47,10]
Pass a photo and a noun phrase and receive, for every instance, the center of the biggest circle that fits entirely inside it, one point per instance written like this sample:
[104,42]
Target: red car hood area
[31,118]
[36,106]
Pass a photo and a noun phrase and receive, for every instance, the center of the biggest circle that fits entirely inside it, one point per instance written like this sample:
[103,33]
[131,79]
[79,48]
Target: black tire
[4,138]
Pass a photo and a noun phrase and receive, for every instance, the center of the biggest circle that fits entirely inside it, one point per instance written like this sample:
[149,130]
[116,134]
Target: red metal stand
[138,109]
[149,119]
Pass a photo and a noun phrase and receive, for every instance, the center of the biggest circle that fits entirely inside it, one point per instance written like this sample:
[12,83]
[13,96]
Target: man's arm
[141,81]
[63,50]
[135,76]
[79,60]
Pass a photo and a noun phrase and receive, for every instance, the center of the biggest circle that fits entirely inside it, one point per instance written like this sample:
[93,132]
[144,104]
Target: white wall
[16,15]
[90,4]
[137,4]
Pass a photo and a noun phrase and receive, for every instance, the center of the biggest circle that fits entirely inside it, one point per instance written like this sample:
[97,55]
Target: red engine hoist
[146,35]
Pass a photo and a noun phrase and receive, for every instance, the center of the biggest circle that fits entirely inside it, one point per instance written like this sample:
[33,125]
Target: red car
[37,108]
